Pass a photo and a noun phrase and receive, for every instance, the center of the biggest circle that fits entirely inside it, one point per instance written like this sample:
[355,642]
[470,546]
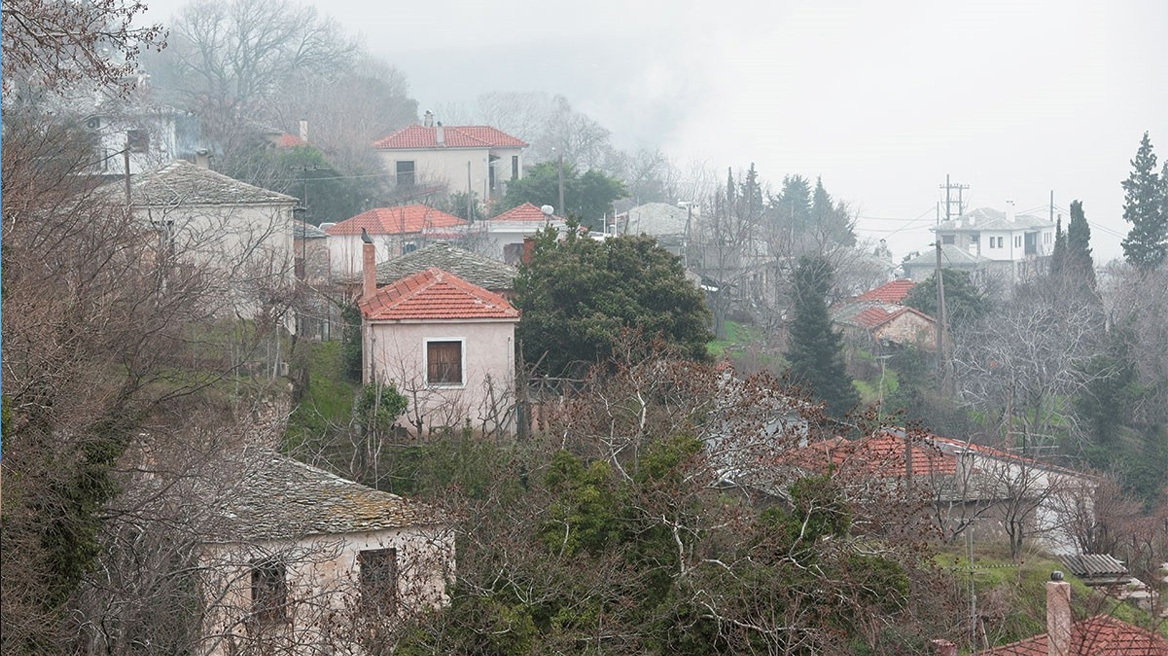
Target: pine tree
[1058,257]
[1079,263]
[815,350]
[1146,244]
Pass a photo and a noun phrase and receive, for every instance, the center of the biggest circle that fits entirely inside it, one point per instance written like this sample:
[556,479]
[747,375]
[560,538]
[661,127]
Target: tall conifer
[815,350]
[1146,244]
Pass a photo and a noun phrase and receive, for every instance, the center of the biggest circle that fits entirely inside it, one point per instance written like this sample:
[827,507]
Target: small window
[444,363]
[948,239]
[405,173]
[378,580]
[269,590]
[514,167]
[1018,241]
[138,141]
[409,247]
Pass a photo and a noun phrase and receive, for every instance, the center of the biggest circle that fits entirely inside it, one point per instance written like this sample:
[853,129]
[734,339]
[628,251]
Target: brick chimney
[944,648]
[1058,616]
[368,266]
[528,249]
[203,158]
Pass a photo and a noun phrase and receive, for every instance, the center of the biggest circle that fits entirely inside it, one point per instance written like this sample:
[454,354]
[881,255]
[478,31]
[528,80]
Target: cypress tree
[1079,263]
[815,350]
[1146,244]
[1058,257]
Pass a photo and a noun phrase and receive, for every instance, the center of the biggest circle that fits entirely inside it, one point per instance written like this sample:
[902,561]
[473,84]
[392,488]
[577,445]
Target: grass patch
[327,403]
[738,336]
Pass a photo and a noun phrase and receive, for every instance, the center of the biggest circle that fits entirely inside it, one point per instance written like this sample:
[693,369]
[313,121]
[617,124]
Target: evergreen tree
[815,350]
[1146,244]
[793,211]
[1058,257]
[830,219]
[1079,263]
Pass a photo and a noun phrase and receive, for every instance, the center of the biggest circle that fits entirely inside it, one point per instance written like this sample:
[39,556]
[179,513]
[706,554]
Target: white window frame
[426,362]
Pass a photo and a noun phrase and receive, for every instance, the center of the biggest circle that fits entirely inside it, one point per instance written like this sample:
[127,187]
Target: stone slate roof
[474,268]
[280,498]
[183,183]
[302,230]
[435,295]
[986,218]
[656,220]
[952,257]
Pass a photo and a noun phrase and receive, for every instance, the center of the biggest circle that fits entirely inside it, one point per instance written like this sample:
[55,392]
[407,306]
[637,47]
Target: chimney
[528,249]
[1058,615]
[304,130]
[440,135]
[203,158]
[944,648]
[368,266]
[1010,212]
[428,119]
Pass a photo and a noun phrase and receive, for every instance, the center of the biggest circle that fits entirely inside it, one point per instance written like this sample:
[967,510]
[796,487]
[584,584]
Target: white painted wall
[395,353]
[449,166]
[345,251]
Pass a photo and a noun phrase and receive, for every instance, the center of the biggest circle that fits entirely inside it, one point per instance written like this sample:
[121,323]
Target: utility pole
[126,172]
[563,211]
[470,195]
[952,199]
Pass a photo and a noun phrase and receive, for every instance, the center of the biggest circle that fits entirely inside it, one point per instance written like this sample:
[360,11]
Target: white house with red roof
[446,344]
[501,237]
[478,157]
[394,230]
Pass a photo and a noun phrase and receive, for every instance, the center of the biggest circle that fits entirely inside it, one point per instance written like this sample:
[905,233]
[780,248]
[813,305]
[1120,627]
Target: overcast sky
[882,99]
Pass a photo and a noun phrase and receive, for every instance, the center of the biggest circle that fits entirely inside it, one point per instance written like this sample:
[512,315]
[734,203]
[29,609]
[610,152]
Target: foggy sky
[882,99]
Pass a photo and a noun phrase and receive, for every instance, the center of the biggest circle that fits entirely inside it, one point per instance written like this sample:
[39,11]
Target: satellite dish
[547,210]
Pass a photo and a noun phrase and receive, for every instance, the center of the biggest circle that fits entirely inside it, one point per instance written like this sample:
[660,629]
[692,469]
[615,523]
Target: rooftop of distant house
[472,267]
[526,212]
[182,183]
[1101,635]
[402,219]
[889,292]
[881,454]
[277,497]
[417,136]
[989,219]
[435,294]
[302,230]
[655,219]
[952,257]
[872,315]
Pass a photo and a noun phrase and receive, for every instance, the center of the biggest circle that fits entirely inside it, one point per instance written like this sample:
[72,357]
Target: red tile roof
[876,316]
[525,212]
[403,219]
[454,136]
[288,140]
[889,292]
[881,454]
[435,294]
[1101,635]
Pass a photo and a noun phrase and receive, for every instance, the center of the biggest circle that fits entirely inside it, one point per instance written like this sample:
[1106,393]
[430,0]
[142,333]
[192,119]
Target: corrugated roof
[282,498]
[472,267]
[403,219]
[182,183]
[435,294]
[1087,566]
[987,218]
[525,212]
[415,136]
[1101,635]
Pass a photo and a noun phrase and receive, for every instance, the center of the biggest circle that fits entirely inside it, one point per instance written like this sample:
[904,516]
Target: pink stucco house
[446,344]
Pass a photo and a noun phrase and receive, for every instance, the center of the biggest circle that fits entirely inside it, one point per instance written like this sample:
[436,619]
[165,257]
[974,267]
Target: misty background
[881,99]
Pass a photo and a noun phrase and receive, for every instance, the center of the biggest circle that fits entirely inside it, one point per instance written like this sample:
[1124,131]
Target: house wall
[449,166]
[249,246]
[908,328]
[323,580]
[314,253]
[345,251]
[396,352]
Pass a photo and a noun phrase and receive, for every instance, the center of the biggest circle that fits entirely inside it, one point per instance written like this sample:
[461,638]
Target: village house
[446,344]
[669,224]
[879,317]
[1009,246]
[305,562]
[501,237]
[394,230]
[469,158]
[244,232]
[146,137]
[480,270]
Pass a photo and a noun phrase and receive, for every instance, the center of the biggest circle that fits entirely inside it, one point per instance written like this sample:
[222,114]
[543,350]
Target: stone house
[878,317]
[306,562]
[475,158]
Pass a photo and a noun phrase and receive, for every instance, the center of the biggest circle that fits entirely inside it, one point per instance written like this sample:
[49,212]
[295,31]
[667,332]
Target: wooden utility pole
[126,172]
[563,211]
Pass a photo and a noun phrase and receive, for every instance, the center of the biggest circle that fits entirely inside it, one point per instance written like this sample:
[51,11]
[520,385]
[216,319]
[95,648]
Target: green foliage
[815,349]
[379,406]
[1058,256]
[304,173]
[965,304]
[587,197]
[1146,244]
[830,218]
[585,510]
[352,344]
[326,402]
[579,296]
[464,205]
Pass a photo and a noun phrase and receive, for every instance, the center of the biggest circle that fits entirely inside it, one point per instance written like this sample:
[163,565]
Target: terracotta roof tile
[1101,635]
[889,292]
[881,455]
[403,219]
[454,136]
[435,294]
[288,140]
[525,212]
